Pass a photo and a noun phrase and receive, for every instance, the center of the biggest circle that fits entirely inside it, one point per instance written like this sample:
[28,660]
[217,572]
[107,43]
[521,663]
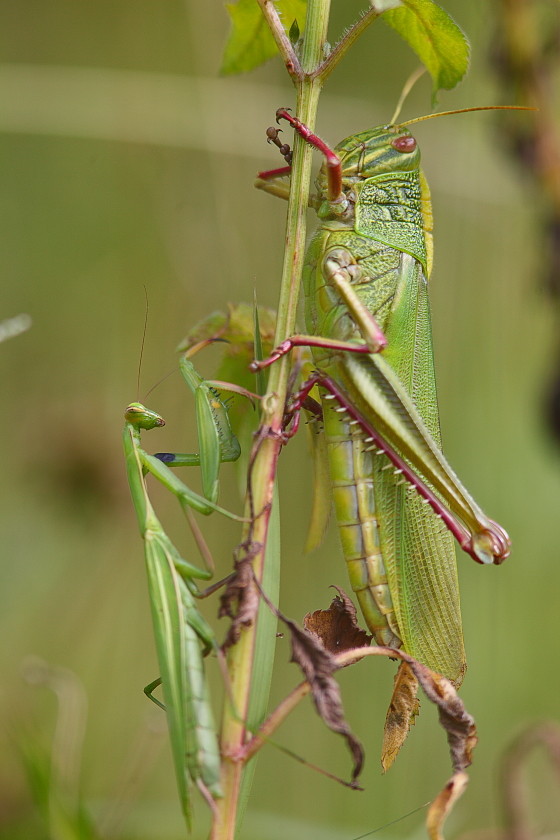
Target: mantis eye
[404,144]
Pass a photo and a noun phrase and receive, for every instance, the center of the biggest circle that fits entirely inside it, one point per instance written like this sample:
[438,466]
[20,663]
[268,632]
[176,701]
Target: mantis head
[141,417]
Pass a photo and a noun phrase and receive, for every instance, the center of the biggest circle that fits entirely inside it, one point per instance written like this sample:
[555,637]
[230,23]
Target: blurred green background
[126,161]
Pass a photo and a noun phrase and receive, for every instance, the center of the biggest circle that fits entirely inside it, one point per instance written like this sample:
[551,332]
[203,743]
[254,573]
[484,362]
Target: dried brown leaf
[443,804]
[319,665]
[337,627]
[240,599]
[457,722]
[403,708]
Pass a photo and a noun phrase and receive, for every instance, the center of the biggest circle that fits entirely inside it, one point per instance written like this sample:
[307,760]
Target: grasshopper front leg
[342,271]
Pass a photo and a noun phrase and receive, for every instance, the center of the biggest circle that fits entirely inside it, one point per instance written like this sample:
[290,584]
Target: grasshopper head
[141,417]
[387,148]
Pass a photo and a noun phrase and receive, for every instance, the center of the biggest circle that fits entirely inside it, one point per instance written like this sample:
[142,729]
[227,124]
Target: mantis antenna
[143,342]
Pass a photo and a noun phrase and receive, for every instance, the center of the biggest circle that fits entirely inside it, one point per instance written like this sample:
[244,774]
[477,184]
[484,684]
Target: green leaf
[381,6]
[294,33]
[250,41]
[265,644]
[435,38]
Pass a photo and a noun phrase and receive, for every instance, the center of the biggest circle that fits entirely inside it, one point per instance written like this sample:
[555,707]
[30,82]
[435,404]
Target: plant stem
[277,717]
[263,473]
[282,41]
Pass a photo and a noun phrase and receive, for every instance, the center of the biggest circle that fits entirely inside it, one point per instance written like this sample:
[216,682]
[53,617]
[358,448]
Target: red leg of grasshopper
[314,341]
[293,415]
[270,174]
[272,137]
[500,546]
[334,169]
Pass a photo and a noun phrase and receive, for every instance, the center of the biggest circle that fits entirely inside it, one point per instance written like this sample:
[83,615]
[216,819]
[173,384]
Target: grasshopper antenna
[468,110]
[407,87]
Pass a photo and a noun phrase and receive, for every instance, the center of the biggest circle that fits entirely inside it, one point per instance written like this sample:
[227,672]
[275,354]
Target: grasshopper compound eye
[404,144]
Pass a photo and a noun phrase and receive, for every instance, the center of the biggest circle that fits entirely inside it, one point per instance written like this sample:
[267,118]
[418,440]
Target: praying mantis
[398,502]
[182,635]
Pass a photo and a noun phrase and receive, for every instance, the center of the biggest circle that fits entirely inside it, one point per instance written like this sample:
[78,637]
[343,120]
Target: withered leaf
[337,627]
[240,599]
[403,708]
[318,665]
[444,803]
[457,722]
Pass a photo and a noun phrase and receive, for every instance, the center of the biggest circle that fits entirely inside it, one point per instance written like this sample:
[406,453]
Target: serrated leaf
[436,39]
[250,42]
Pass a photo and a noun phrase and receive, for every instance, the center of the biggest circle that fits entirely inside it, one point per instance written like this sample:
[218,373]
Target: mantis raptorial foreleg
[216,441]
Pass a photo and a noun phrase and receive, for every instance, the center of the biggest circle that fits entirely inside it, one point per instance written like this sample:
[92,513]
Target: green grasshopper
[365,285]
[182,635]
